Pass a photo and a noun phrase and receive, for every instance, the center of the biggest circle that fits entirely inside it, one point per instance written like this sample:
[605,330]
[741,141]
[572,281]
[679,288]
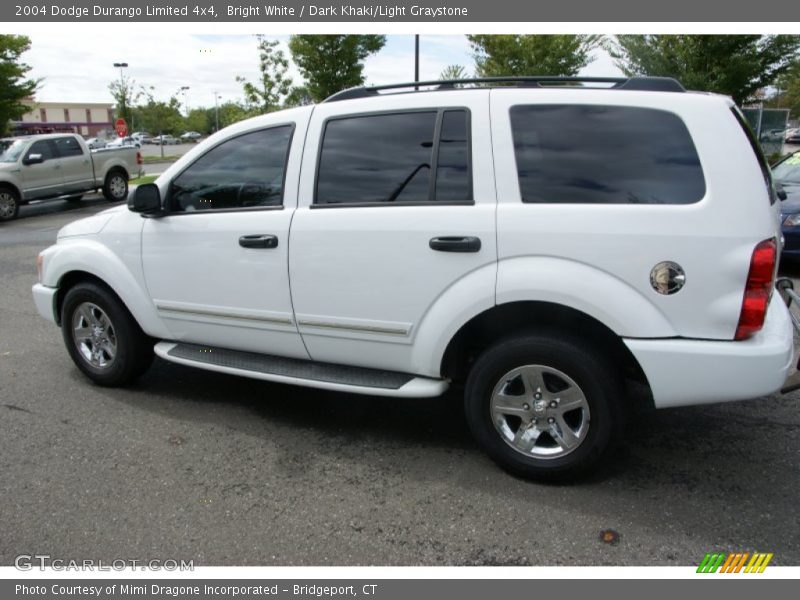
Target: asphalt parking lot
[195,465]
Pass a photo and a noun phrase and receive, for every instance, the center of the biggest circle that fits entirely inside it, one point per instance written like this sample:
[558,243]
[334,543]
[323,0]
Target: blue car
[786,174]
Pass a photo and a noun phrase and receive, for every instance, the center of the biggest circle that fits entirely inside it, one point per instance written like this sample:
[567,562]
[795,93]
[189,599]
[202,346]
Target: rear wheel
[103,339]
[9,204]
[544,407]
[115,188]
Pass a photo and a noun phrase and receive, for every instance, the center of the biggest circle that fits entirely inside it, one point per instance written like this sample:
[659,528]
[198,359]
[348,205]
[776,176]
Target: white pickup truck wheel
[543,407]
[9,204]
[115,188]
[101,336]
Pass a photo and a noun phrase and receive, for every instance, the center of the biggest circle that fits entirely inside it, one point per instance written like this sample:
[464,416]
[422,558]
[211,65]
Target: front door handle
[456,244]
[259,241]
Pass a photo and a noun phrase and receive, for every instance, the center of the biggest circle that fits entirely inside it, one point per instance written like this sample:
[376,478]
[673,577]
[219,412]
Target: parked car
[191,136]
[786,174]
[95,143]
[165,140]
[545,247]
[43,167]
[124,141]
[792,136]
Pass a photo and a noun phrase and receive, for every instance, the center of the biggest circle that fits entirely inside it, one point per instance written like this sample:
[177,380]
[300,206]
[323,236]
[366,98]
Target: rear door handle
[259,241]
[456,244]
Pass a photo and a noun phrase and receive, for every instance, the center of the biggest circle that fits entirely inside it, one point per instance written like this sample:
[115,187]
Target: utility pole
[416,60]
[216,110]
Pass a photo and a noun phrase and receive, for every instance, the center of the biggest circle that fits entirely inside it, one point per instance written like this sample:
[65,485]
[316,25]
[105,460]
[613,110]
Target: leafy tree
[520,55]
[298,96]
[331,63]
[159,117]
[274,84]
[14,87]
[453,72]
[197,120]
[787,91]
[125,95]
[735,65]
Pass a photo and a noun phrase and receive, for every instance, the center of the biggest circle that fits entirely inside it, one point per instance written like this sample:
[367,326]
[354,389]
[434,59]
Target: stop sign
[122,127]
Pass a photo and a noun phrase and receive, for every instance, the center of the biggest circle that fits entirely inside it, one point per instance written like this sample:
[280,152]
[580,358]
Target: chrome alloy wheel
[540,412]
[117,186]
[94,335]
[8,205]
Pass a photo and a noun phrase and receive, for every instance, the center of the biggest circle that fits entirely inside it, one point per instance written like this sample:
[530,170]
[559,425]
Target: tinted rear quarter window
[590,154]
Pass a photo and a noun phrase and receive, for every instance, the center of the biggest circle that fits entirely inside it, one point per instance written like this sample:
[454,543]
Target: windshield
[788,171]
[10,150]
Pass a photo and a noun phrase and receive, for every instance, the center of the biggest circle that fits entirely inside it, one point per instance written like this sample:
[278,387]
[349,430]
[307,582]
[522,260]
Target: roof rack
[638,84]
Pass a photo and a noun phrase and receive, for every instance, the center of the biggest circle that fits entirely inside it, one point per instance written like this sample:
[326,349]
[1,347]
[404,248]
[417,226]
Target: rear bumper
[44,297]
[685,372]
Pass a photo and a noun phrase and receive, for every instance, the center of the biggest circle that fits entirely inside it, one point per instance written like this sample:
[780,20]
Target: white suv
[543,244]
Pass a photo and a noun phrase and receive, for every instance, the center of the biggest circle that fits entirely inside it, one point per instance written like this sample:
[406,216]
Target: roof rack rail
[639,84]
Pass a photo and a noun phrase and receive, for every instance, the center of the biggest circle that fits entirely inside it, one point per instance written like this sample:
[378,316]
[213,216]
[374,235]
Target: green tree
[197,120]
[274,84]
[125,95]
[521,55]
[159,117]
[453,72]
[331,63]
[298,96]
[735,65]
[14,87]
[787,91]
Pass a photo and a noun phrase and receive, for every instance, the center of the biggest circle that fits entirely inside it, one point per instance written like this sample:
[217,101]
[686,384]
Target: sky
[79,68]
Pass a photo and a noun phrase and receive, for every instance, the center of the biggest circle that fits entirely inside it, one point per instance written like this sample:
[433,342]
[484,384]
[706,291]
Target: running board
[327,376]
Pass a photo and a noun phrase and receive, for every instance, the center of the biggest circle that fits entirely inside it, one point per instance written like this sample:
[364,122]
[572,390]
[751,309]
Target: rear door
[76,164]
[396,205]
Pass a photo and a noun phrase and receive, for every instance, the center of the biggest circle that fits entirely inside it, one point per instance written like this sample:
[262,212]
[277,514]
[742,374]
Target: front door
[216,265]
[399,210]
[41,179]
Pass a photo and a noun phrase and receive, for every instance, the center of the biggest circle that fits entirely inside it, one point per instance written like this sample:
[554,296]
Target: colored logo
[735,562]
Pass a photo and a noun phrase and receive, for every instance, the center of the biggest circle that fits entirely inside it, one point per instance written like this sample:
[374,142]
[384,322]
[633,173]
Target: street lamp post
[184,90]
[216,110]
[120,66]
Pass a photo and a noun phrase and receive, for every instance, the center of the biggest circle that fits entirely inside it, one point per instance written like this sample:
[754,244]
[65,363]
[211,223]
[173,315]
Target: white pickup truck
[542,244]
[60,165]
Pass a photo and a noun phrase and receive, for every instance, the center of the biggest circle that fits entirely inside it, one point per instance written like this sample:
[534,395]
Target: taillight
[139,158]
[758,289]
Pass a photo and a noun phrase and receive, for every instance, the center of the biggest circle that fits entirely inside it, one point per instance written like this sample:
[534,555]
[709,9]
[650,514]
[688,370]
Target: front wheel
[9,204]
[115,188]
[103,339]
[543,406]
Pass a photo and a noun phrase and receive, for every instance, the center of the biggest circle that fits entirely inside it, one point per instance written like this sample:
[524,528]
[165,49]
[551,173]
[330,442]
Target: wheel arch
[87,260]
[513,318]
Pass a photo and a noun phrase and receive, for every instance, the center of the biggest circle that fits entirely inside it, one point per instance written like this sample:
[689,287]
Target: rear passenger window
[68,146]
[244,172]
[400,157]
[588,154]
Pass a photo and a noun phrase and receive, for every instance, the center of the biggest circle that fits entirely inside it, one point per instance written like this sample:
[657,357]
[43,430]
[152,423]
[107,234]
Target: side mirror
[146,200]
[33,159]
[780,192]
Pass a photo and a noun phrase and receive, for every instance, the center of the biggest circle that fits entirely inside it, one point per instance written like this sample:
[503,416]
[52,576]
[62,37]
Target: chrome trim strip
[359,328]
[212,313]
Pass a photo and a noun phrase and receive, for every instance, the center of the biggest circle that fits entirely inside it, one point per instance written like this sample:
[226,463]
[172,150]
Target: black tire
[133,348]
[75,198]
[115,187]
[9,204]
[598,384]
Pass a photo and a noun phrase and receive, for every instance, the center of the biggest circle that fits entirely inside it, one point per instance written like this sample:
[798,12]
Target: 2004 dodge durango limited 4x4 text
[544,244]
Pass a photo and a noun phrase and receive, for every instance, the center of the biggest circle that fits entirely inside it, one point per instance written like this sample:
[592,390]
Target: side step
[328,376]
